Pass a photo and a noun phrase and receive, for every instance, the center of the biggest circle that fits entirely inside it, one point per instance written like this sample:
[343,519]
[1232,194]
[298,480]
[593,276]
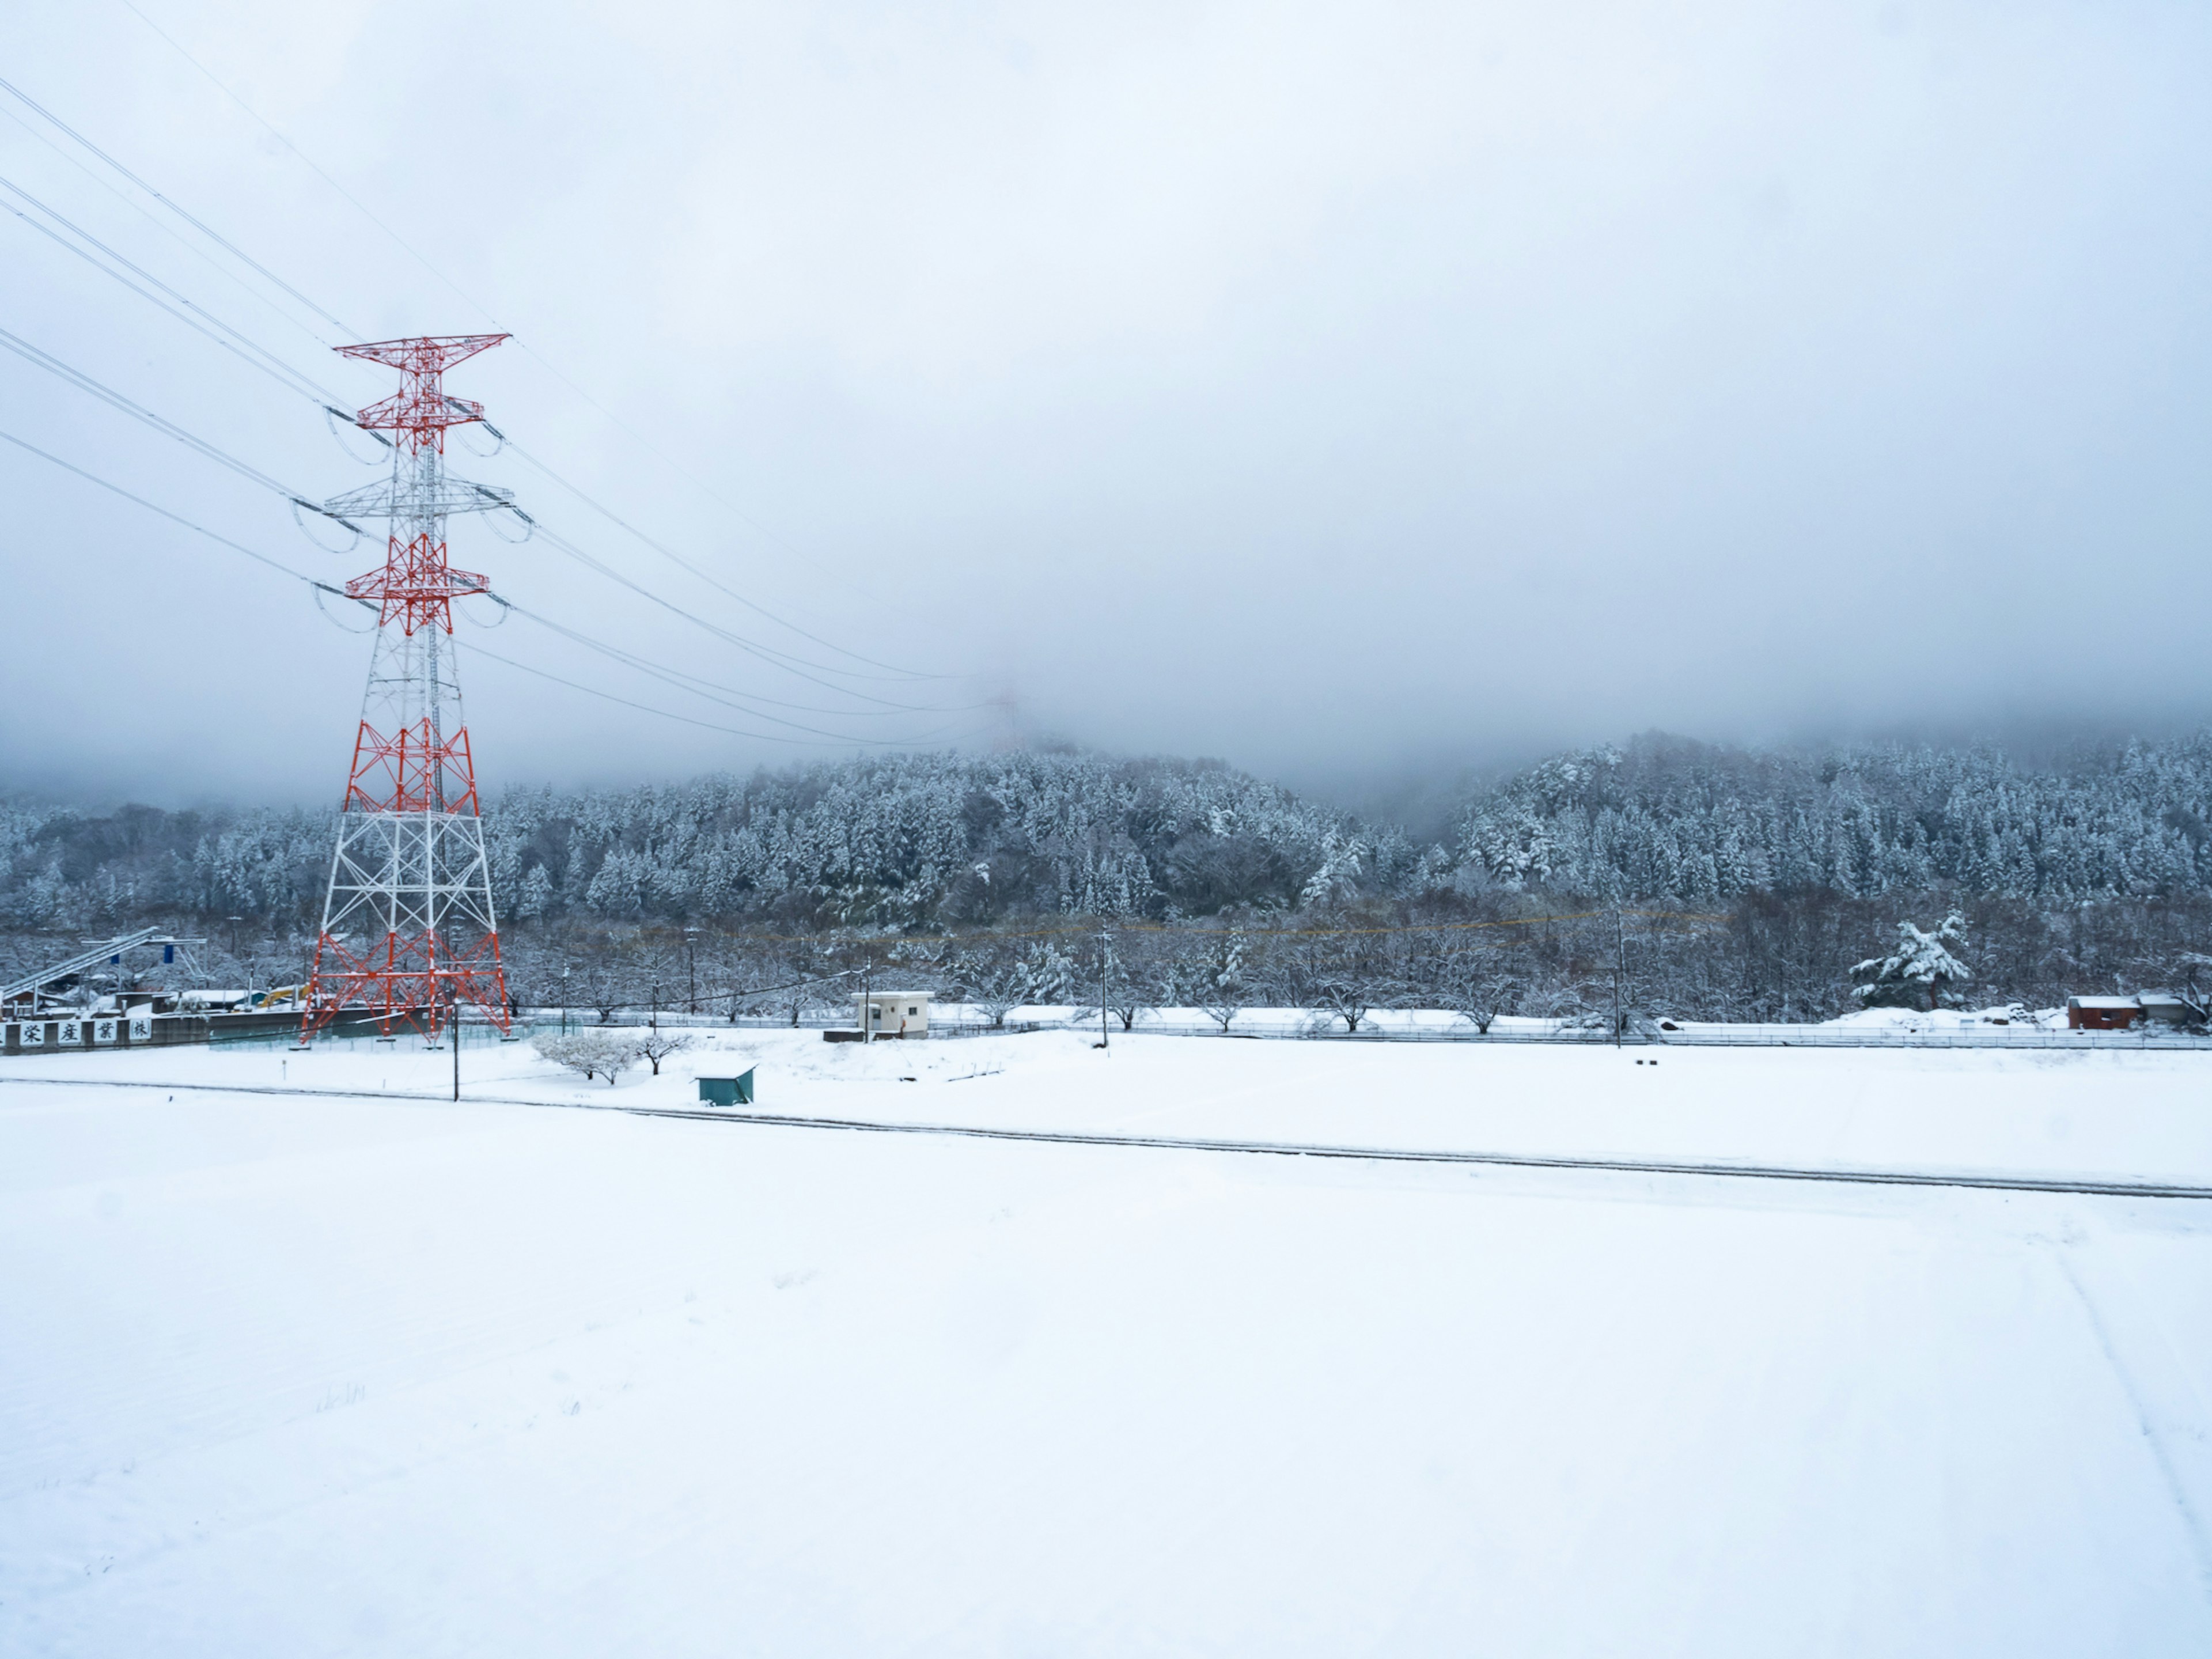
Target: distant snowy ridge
[1663,817]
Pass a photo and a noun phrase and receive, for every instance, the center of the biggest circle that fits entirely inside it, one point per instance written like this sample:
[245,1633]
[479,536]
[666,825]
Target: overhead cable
[338,593]
[169,429]
[788,662]
[321,395]
[423,260]
[677,559]
[776,659]
[690,684]
[258,357]
[206,230]
[632,659]
[114,400]
[173,518]
[762,737]
[190,245]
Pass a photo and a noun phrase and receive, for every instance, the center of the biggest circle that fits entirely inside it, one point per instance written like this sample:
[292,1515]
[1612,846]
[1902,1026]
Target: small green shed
[727,1090]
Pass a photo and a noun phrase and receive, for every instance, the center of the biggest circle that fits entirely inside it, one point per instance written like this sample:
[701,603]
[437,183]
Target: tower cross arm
[445,583]
[425,355]
[446,498]
[413,408]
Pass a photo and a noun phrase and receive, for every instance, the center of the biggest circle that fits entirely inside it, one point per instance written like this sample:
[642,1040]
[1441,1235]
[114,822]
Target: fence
[1401,1026]
[1271,1024]
[1710,1036]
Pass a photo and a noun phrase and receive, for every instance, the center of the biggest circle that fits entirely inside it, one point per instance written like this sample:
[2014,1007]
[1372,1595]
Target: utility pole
[1619,968]
[453,1010]
[564,998]
[691,955]
[655,1022]
[867,998]
[1105,954]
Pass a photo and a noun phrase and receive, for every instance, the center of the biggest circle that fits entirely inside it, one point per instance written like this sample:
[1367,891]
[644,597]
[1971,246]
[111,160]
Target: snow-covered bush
[593,1054]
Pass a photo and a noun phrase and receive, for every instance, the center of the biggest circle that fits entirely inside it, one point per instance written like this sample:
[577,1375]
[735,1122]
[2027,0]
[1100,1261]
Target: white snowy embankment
[320,1374]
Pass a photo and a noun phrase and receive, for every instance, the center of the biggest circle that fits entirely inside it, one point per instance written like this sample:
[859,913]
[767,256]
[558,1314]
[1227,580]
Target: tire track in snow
[2079,1187]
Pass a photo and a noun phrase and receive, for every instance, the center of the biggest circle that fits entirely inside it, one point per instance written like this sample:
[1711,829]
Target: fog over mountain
[1368,395]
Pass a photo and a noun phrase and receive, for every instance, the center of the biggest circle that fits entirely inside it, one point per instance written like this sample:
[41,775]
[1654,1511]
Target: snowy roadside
[2109,1116]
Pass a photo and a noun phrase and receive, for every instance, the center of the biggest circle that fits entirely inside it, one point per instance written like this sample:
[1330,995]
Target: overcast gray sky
[1335,388]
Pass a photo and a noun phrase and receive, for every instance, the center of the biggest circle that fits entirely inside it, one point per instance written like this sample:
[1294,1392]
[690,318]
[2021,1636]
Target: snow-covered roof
[2102,1002]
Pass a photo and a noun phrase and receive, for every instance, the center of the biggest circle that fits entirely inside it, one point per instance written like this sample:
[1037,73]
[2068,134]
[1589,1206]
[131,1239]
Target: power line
[423,260]
[274,133]
[788,662]
[676,558]
[41,136]
[710,725]
[660,671]
[310,389]
[695,686]
[785,660]
[206,230]
[284,569]
[168,428]
[283,373]
[84,382]
[173,518]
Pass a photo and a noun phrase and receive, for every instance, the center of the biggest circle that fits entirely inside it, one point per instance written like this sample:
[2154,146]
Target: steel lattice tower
[408,928]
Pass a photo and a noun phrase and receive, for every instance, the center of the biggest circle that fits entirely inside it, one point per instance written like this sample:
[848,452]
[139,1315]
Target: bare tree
[1340,975]
[1353,976]
[1133,984]
[657,1045]
[602,980]
[994,979]
[1224,990]
[1474,983]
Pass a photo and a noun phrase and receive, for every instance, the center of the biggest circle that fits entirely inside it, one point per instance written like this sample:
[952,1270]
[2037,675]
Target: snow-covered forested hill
[1665,818]
[2090,875]
[947,839]
[901,839]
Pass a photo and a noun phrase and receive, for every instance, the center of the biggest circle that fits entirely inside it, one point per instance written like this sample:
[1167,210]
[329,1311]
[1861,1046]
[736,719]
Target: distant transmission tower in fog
[1006,723]
[408,931]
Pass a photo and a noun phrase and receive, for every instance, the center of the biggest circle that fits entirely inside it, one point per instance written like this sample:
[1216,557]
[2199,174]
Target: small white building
[893,1013]
[203,1002]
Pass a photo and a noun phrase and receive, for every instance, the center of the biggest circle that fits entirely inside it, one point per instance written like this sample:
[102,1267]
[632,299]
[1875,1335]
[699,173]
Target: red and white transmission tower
[408,929]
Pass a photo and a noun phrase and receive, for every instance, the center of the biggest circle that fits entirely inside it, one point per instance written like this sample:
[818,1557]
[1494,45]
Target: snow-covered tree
[592,1054]
[1919,970]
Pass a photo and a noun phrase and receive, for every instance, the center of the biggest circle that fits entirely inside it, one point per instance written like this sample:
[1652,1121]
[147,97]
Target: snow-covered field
[320,1372]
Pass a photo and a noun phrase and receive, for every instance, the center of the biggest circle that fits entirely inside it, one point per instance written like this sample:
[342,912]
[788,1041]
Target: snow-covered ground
[318,1372]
